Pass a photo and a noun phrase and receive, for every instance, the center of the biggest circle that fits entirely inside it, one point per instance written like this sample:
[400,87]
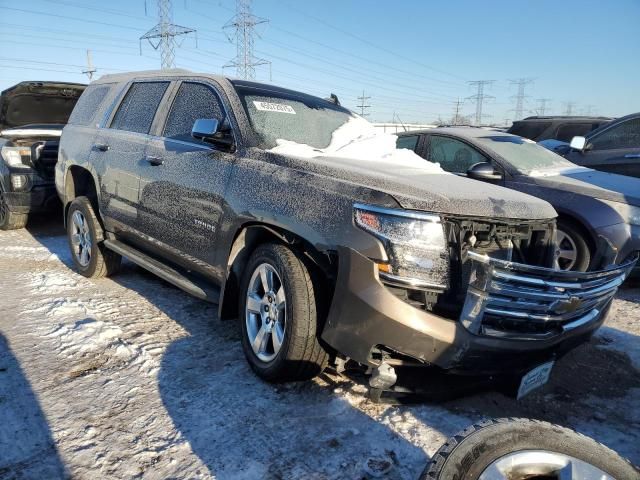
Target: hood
[38,103]
[602,185]
[419,188]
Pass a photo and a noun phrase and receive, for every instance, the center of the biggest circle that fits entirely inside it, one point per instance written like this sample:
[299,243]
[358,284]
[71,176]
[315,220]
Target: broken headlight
[13,156]
[414,242]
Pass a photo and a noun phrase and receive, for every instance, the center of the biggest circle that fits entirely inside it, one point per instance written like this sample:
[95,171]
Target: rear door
[183,179]
[615,149]
[119,150]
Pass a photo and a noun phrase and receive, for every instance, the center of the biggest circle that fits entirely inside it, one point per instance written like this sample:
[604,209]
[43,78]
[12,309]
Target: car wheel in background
[573,250]
[519,449]
[8,219]
[279,316]
[84,232]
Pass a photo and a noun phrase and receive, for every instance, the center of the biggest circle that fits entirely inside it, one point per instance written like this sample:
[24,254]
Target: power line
[362,105]
[480,97]
[520,96]
[163,35]
[244,23]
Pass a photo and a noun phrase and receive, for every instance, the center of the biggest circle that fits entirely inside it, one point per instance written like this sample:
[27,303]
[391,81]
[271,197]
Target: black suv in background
[561,128]
[32,115]
[326,241]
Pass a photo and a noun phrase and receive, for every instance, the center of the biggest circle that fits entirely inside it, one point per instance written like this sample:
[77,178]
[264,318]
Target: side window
[624,135]
[566,132]
[193,101]
[137,109]
[453,155]
[88,104]
[409,142]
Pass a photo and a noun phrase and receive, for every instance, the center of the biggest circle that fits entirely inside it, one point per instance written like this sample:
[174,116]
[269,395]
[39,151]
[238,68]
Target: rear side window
[409,142]
[623,135]
[530,130]
[193,101]
[88,104]
[136,112]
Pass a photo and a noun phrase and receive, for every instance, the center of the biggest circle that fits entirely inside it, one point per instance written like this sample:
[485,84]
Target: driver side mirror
[578,143]
[209,130]
[484,171]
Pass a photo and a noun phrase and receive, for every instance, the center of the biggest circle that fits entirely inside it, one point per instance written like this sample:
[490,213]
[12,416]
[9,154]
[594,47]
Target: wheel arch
[579,224]
[246,239]
[80,181]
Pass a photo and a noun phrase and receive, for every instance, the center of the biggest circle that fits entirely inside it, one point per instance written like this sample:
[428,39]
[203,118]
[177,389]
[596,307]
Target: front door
[183,181]
[614,150]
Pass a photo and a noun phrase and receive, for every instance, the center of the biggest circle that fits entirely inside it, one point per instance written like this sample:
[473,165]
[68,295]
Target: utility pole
[457,118]
[542,108]
[569,106]
[480,97]
[90,68]
[520,96]
[362,105]
[588,110]
[163,35]
[243,24]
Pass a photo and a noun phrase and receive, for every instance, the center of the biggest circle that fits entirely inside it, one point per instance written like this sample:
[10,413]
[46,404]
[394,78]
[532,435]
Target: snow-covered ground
[129,377]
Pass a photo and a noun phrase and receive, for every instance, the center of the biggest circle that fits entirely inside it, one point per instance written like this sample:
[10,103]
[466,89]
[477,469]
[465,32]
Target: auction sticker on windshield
[274,107]
[535,379]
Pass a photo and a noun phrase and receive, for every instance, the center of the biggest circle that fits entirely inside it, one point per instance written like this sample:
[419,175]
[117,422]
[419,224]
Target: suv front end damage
[481,314]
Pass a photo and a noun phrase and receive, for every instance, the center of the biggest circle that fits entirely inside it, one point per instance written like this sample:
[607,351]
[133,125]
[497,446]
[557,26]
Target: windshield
[308,127]
[302,119]
[525,155]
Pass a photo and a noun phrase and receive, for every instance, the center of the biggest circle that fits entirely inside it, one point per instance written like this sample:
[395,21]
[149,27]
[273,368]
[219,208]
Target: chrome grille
[513,300]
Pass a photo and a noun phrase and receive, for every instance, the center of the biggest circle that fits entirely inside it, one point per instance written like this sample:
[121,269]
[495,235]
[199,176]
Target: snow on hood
[359,140]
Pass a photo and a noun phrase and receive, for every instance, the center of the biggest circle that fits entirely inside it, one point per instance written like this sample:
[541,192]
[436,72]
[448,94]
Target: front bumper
[625,240]
[504,299]
[40,195]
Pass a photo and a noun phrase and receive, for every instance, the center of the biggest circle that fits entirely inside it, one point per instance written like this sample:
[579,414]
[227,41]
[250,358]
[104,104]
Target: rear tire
[474,451]
[85,235]
[572,243]
[290,350]
[10,220]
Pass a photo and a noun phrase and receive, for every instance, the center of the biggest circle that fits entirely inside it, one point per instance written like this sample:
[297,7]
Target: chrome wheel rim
[531,464]
[4,209]
[567,250]
[265,313]
[80,238]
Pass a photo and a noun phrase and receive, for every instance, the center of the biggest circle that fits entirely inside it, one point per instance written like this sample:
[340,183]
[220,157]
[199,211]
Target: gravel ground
[129,377]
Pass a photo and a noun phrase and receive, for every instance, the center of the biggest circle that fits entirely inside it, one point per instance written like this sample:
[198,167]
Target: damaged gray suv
[305,222]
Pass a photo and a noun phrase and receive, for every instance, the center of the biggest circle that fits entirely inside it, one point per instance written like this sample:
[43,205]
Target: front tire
[10,220]
[85,235]
[520,448]
[574,252]
[279,305]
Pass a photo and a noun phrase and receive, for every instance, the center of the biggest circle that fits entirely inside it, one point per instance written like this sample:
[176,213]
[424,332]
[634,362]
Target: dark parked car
[32,115]
[598,213]
[562,128]
[614,147]
[327,242]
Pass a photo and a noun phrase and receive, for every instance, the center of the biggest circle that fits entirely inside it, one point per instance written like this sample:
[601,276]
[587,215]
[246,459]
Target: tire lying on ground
[519,449]
[10,220]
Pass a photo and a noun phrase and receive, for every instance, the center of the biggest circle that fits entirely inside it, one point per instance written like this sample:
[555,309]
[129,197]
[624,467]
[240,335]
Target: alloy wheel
[81,238]
[567,250]
[532,464]
[265,312]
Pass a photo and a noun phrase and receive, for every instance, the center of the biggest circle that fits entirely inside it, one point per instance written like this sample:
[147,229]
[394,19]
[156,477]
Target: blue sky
[413,58]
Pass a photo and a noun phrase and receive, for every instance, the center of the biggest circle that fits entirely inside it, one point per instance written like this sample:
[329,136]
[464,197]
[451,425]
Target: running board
[196,287]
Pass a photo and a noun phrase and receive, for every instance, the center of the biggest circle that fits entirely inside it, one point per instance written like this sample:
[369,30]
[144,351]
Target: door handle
[155,161]
[632,155]
[103,147]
